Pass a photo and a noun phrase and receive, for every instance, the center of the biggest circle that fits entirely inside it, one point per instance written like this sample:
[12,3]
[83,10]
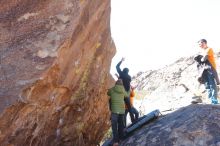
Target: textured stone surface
[55,59]
[194,125]
[171,87]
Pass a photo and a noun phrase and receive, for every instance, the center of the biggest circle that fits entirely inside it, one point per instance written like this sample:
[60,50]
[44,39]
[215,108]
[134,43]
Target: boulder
[55,58]
[194,125]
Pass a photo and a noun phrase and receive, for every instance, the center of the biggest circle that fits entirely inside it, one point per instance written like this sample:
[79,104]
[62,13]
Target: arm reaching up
[118,66]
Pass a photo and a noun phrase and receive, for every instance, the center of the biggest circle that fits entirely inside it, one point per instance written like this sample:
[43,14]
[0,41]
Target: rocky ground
[55,59]
[193,125]
[172,90]
[169,88]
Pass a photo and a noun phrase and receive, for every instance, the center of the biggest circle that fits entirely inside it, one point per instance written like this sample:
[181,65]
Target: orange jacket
[132,94]
[211,57]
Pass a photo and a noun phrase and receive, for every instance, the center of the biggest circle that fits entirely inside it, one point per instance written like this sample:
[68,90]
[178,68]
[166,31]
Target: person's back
[117,94]
[126,78]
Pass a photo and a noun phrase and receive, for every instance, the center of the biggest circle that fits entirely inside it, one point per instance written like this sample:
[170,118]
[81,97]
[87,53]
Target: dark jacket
[204,68]
[126,78]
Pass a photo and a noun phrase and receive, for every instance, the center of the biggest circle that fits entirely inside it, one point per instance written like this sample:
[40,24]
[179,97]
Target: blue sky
[153,33]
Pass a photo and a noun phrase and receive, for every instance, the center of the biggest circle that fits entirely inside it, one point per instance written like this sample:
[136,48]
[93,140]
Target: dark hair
[125,70]
[202,41]
[198,58]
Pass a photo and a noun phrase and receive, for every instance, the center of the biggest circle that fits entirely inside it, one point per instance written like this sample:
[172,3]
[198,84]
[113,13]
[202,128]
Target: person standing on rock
[117,95]
[126,78]
[210,78]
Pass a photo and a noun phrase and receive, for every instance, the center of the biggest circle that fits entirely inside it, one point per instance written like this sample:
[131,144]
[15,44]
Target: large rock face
[194,125]
[54,59]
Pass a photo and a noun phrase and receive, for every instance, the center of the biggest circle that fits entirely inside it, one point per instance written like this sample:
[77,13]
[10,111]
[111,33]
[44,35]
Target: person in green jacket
[117,95]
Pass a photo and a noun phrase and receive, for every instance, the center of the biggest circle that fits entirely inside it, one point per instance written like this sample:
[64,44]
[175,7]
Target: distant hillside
[171,90]
[170,87]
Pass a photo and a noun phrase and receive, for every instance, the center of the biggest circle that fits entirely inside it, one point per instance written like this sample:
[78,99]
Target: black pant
[128,104]
[134,113]
[117,121]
